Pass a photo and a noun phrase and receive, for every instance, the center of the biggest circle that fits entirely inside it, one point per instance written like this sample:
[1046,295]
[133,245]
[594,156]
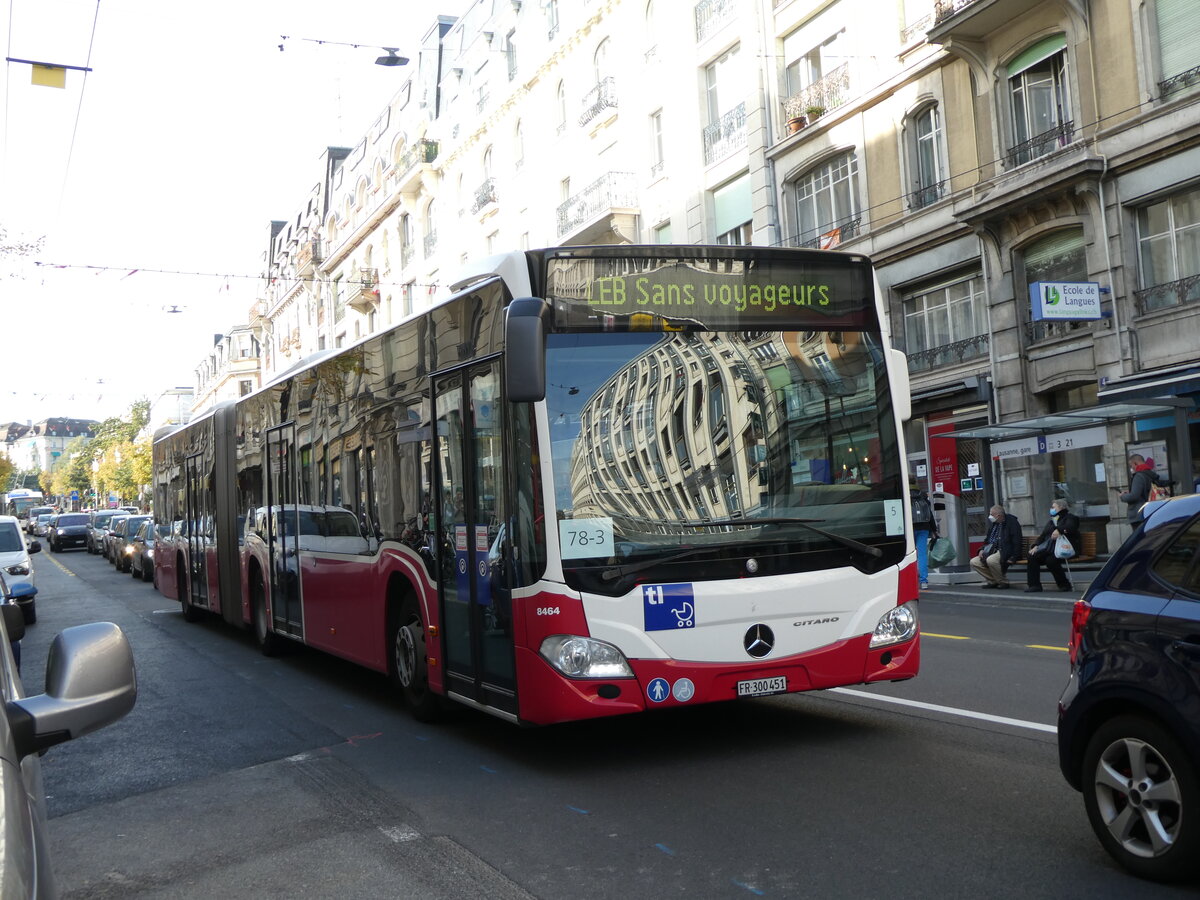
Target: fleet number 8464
[547,610]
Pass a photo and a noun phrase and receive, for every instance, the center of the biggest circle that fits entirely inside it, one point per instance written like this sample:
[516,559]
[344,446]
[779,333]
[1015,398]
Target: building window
[826,203]
[519,145]
[928,170]
[406,240]
[552,17]
[1179,53]
[662,234]
[1060,256]
[510,54]
[733,212]
[245,387]
[656,143]
[560,109]
[946,324]
[1041,106]
[406,299]
[1169,252]
[816,78]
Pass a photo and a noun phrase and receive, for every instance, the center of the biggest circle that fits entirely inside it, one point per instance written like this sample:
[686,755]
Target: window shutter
[1031,56]
[1178,24]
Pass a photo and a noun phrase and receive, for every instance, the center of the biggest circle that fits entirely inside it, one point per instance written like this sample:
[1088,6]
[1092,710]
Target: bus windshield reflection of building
[675,430]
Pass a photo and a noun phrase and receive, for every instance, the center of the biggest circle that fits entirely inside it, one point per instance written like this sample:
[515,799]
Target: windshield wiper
[804,523]
[620,571]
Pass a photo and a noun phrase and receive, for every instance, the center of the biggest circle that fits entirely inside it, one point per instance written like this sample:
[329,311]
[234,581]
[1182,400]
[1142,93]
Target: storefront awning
[1080,418]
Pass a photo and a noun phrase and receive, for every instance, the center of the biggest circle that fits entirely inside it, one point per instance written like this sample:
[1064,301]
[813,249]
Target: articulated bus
[593,481]
[19,501]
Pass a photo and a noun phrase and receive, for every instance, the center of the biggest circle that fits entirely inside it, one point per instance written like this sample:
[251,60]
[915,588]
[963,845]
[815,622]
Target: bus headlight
[18,569]
[896,626]
[584,657]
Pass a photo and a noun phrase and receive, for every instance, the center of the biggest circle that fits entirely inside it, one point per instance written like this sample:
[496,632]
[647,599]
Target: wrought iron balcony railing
[726,135]
[711,15]
[430,244]
[423,151]
[612,191]
[949,354]
[603,95]
[484,194]
[1179,82]
[946,8]
[821,96]
[835,236]
[910,33]
[924,196]
[1042,144]
[1164,296]
[1047,330]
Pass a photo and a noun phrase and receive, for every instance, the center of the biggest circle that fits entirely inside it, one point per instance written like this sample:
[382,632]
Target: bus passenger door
[283,531]
[197,518]
[476,603]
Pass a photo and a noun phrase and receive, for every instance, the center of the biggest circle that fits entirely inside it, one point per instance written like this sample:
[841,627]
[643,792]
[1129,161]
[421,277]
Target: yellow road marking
[1045,647]
[949,637]
[60,565]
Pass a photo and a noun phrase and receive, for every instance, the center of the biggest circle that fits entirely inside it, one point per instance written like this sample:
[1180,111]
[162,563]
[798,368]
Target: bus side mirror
[901,386]
[525,349]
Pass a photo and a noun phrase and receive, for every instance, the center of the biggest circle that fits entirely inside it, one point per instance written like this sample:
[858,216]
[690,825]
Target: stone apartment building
[971,148]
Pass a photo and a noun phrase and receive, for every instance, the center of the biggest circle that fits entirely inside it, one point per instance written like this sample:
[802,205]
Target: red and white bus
[595,480]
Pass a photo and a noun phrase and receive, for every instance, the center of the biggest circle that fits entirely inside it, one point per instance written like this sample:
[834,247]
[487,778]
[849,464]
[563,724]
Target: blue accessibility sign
[658,690]
[669,607]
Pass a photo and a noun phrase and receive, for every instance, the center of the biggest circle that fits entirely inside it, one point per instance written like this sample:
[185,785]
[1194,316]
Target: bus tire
[267,641]
[407,664]
[191,613]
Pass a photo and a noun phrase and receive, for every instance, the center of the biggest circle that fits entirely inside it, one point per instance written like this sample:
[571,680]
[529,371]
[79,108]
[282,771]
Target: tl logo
[1052,296]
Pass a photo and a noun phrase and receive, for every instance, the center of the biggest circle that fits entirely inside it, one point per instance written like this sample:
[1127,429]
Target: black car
[67,530]
[121,537]
[141,559]
[1129,719]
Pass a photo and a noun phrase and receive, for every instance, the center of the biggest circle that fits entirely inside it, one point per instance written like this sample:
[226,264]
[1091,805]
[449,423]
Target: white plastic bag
[1063,548]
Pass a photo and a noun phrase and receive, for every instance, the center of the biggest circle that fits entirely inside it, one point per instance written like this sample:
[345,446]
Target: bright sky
[194,131]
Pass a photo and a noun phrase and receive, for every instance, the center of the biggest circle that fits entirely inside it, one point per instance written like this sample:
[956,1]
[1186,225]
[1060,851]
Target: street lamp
[391,59]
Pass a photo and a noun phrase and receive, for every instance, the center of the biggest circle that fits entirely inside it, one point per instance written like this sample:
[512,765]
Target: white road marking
[949,710]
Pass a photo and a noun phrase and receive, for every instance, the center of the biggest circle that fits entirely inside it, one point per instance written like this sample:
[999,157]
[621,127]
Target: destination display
[630,293]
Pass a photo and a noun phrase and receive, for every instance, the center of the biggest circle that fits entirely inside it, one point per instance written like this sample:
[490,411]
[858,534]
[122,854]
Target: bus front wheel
[409,669]
[264,637]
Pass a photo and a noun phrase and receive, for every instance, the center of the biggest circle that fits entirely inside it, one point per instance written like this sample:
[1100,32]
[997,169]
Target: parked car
[39,526]
[34,513]
[132,510]
[90,683]
[121,535]
[67,530]
[1129,719]
[141,559]
[98,522]
[17,566]
[106,548]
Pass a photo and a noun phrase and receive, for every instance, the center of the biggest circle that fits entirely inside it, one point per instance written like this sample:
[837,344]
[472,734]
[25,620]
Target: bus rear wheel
[408,668]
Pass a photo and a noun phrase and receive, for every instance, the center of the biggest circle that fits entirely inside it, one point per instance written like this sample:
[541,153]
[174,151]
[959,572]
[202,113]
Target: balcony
[1041,144]
[1179,82]
[485,199]
[308,256]
[364,292]
[414,163]
[974,20]
[713,15]
[603,96]
[926,195]
[949,354]
[606,204]
[1165,296]
[846,230]
[725,136]
[820,97]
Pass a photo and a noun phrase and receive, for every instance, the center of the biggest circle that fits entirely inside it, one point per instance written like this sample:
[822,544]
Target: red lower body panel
[546,697]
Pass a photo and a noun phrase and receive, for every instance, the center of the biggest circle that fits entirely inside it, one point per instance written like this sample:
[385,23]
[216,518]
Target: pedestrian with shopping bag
[1063,525]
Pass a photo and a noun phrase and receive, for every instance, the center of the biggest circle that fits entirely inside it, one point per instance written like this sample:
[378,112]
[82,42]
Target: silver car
[90,683]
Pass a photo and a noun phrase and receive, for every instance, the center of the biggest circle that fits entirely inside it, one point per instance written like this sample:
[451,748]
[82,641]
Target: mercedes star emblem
[759,641]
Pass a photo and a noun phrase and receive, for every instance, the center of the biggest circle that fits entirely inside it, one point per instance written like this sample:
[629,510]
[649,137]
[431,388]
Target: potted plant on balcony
[794,114]
[814,112]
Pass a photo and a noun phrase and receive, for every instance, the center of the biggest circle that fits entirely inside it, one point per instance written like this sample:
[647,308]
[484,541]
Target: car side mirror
[34,547]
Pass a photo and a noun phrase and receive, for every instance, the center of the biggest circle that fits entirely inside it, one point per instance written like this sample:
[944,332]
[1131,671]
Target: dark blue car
[1129,719]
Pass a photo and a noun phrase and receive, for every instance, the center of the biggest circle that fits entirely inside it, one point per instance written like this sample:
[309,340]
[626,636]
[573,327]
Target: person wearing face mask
[1000,549]
[1061,523]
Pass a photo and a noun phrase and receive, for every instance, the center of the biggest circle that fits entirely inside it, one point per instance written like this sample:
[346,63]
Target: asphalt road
[238,775]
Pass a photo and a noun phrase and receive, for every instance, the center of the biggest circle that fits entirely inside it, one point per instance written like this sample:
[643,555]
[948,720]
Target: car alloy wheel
[1139,780]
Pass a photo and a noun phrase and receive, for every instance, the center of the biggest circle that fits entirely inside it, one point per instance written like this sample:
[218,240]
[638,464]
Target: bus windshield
[713,447]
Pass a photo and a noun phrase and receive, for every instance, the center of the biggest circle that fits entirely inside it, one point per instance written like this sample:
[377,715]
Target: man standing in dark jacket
[1061,523]
[1001,548]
